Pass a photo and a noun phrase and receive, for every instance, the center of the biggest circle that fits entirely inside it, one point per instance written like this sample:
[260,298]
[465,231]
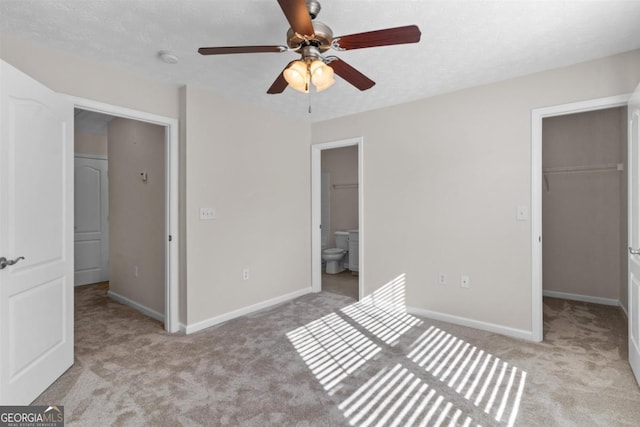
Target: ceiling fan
[311,39]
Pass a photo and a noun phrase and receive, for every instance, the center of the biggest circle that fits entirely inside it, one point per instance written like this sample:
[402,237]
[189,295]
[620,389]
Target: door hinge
[170,238]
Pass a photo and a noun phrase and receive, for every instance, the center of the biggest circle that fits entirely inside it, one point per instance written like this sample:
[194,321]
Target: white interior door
[91,238]
[634,233]
[36,222]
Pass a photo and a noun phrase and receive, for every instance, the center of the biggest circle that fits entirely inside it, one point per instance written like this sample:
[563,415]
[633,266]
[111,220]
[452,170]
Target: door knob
[634,251]
[5,262]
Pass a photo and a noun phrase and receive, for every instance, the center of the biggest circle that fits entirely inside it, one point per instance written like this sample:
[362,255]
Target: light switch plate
[522,213]
[465,281]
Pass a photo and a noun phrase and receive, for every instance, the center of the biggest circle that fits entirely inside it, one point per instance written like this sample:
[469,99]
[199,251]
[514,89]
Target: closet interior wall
[584,206]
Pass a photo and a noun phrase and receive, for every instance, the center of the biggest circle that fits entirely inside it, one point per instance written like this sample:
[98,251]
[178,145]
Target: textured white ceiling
[464,43]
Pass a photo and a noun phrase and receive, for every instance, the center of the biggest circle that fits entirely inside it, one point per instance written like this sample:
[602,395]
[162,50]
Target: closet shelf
[345,186]
[607,167]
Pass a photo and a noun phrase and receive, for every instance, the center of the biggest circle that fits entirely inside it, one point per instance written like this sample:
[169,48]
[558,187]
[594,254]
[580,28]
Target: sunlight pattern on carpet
[332,349]
[480,377]
[383,313]
[397,397]
[438,380]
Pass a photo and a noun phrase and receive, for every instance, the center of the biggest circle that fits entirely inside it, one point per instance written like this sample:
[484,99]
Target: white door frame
[316,210]
[537,115]
[632,239]
[171,200]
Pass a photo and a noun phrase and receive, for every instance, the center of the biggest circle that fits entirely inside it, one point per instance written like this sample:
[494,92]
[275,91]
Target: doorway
[539,185]
[119,217]
[342,190]
[340,231]
[168,228]
[584,207]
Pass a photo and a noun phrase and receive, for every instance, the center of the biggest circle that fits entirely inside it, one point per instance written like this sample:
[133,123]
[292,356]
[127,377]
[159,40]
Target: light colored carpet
[324,360]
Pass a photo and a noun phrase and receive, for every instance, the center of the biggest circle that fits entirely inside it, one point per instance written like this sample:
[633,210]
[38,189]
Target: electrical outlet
[442,279]
[465,282]
[207,213]
[245,274]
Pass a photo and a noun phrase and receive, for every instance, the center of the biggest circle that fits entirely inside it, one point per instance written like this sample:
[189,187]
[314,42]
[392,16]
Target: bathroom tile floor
[345,283]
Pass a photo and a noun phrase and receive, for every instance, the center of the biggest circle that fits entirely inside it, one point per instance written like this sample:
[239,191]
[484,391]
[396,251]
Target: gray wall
[342,166]
[450,170]
[258,179]
[88,143]
[443,177]
[584,214]
[137,212]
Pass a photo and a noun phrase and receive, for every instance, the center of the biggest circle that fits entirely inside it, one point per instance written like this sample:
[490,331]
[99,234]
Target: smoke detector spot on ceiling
[167,57]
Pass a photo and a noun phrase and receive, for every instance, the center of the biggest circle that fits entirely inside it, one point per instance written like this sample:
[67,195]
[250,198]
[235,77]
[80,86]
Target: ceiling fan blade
[279,85]
[389,36]
[350,74]
[240,49]
[297,14]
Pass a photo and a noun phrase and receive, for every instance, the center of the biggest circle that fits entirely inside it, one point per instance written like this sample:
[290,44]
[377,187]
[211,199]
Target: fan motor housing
[321,38]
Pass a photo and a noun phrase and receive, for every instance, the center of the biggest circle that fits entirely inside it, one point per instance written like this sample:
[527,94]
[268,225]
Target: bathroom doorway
[337,218]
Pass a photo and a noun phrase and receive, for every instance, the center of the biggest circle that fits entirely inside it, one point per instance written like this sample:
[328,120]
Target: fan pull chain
[308,86]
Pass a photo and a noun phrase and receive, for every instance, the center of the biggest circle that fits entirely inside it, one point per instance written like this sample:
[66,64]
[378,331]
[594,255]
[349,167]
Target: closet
[584,206]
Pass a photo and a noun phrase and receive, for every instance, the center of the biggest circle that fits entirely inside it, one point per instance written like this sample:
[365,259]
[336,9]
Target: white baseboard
[624,310]
[141,308]
[581,298]
[203,324]
[471,323]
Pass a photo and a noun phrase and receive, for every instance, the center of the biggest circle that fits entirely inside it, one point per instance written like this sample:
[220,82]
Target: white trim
[171,191]
[141,308]
[91,156]
[582,298]
[537,114]
[203,324]
[624,310]
[470,323]
[316,210]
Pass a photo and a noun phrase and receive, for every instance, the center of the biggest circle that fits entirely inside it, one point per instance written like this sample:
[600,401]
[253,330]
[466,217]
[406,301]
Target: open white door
[36,222]
[634,233]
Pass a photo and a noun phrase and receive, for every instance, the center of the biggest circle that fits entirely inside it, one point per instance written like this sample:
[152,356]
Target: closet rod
[608,167]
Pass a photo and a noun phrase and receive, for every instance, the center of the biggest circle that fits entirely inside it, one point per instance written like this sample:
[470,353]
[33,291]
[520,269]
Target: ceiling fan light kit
[299,73]
[311,68]
[311,40]
[321,75]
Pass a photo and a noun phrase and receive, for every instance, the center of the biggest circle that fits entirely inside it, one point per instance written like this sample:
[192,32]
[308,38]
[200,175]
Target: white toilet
[334,257]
